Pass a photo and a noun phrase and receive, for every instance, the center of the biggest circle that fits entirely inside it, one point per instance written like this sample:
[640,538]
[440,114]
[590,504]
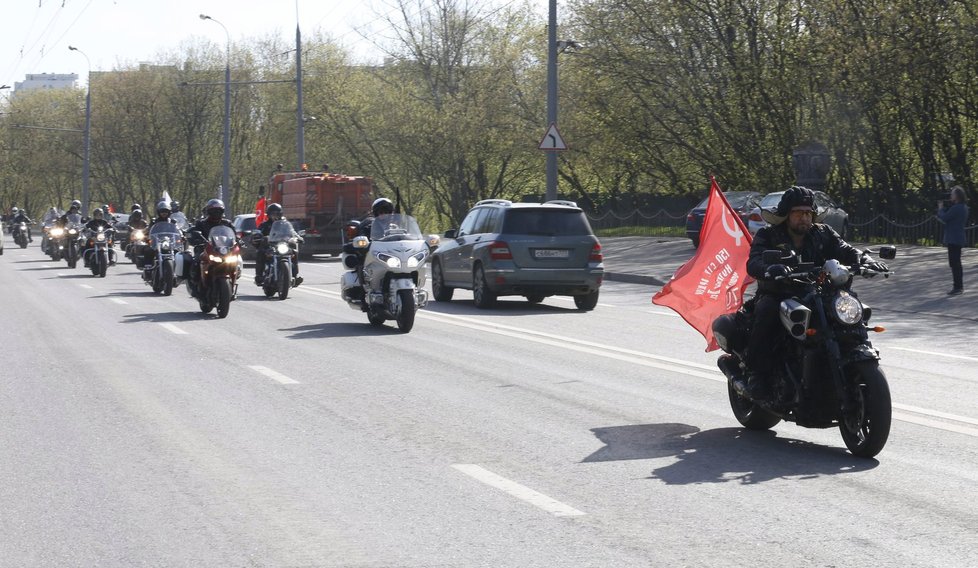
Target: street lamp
[225,177]
[87,132]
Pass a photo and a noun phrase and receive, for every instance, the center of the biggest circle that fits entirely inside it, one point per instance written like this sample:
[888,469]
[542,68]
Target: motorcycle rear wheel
[284,280]
[750,415]
[223,297]
[405,317]
[866,428]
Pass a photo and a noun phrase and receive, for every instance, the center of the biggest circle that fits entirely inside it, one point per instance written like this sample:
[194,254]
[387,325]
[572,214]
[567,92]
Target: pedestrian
[954,218]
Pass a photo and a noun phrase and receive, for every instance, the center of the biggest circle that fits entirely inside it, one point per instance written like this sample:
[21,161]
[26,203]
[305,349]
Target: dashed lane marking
[274,375]
[522,492]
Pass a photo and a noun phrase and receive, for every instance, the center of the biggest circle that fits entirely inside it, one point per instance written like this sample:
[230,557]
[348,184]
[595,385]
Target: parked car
[743,203]
[534,250]
[120,222]
[244,225]
[828,212]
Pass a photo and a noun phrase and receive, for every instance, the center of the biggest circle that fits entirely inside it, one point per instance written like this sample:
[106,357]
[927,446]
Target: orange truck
[319,204]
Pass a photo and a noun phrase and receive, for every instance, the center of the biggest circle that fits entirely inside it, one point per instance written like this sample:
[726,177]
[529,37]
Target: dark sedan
[743,202]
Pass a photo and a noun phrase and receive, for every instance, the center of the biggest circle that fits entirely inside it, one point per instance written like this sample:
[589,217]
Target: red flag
[260,216]
[711,283]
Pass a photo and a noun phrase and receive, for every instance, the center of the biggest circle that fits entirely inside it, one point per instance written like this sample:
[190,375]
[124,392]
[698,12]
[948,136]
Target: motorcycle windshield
[181,220]
[221,237]
[74,220]
[395,227]
[160,232]
[281,230]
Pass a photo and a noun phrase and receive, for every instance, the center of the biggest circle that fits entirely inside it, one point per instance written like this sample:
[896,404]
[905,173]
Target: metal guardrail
[879,229]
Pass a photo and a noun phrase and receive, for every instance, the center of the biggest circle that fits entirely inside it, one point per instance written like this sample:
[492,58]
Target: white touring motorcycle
[388,270]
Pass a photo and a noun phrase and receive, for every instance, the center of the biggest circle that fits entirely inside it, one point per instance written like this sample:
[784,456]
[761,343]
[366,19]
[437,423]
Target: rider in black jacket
[274,212]
[20,216]
[213,217]
[96,223]
[793,230]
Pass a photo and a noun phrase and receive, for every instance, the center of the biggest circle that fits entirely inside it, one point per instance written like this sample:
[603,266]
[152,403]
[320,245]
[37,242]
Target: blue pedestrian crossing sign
[552,142]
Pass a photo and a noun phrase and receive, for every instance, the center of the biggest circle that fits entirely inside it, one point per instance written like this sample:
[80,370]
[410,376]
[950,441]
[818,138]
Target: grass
[641,232]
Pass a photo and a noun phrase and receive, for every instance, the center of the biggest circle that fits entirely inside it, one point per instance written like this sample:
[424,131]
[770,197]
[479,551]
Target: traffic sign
[552,141]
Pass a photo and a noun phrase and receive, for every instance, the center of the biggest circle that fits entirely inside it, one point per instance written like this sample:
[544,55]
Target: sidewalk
[919,283]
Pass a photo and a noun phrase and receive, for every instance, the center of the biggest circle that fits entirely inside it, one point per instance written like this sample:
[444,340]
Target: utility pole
[86,170]
[552,97]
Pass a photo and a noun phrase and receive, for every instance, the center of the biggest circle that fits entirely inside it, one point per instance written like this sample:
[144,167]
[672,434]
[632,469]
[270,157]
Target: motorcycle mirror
[887,252]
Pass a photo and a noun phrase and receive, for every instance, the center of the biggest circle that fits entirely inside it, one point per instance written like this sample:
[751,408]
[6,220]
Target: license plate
[551,253]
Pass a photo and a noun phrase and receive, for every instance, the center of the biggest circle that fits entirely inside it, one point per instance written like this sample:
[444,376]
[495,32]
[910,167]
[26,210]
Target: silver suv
[520,249]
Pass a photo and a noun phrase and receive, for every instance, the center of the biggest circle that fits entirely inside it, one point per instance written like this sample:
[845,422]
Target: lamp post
[87,132]
[225,177]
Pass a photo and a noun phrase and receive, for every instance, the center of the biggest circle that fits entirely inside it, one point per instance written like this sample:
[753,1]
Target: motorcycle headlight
[282,248]
[72,232]
[416,260]
[57,232]
[138,235]
[390,261]
[847,309]
[100,237]
[215,259]
[165,246]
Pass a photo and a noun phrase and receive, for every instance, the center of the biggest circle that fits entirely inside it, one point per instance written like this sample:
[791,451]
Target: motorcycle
[99,253]
[388,271]
[828,372]
[69,242]
[20,234]
[136,247]
[281,250]
[49,242]
[167,242]
[219,269]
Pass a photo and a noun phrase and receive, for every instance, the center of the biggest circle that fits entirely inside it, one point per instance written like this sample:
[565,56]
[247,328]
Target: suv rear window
[550,222]
[248,224]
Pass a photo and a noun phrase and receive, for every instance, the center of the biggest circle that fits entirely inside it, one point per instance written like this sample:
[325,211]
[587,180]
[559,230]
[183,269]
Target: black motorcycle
[827,371]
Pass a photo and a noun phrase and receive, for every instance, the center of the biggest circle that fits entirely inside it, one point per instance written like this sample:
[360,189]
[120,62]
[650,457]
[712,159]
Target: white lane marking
[933,353]
[532,497]
[274,375]
[664,363]
[118,301]
[85,286]
[173,329]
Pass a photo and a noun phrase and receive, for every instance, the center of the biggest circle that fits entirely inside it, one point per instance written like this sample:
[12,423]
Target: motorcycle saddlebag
[731,331]
[180,261]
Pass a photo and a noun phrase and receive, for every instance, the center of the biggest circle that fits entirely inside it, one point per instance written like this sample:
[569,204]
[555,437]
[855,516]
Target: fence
[924,230]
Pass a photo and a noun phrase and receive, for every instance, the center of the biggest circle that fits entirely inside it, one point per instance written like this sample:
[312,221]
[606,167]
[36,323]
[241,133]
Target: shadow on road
[517,306]
[164,317]
[724,454]
[341,329]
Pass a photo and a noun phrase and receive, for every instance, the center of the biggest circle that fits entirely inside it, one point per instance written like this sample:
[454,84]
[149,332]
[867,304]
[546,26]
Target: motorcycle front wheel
[167,277]
[405,317]
[284,280]
[750,415]
[866,426]
[223,297]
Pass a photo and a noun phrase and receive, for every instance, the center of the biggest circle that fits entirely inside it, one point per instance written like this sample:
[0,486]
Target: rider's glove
[775,271]
[877,265]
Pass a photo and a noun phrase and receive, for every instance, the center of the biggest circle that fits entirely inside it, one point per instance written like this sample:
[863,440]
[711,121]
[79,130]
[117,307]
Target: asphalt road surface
[135,431]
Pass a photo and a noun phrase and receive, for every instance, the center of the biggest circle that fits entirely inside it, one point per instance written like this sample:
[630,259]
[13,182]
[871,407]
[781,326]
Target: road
[138,432]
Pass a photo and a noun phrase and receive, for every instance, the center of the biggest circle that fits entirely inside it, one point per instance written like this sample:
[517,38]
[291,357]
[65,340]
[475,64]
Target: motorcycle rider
[162,216]
[380,206]
[49,219]
[20,216]
[213,216]
[94,225]
[793,230]
[274,212]
[74,209]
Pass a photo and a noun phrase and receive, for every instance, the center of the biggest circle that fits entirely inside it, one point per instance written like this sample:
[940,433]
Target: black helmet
[98,214]
[135,206]
[274,209]
[162,206]
[136,215]
[382,206]
[796,196]
[214,209]
[174,206]
[75,205]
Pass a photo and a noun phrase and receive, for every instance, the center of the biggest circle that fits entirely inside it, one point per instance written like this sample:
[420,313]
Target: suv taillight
[756,217]
[499,250]
[596,255]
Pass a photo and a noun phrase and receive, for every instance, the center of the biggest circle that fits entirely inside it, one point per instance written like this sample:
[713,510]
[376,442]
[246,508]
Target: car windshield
[771,200]
[281,230]
[395,227]
[736,199]
[549,222]
[221,236]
